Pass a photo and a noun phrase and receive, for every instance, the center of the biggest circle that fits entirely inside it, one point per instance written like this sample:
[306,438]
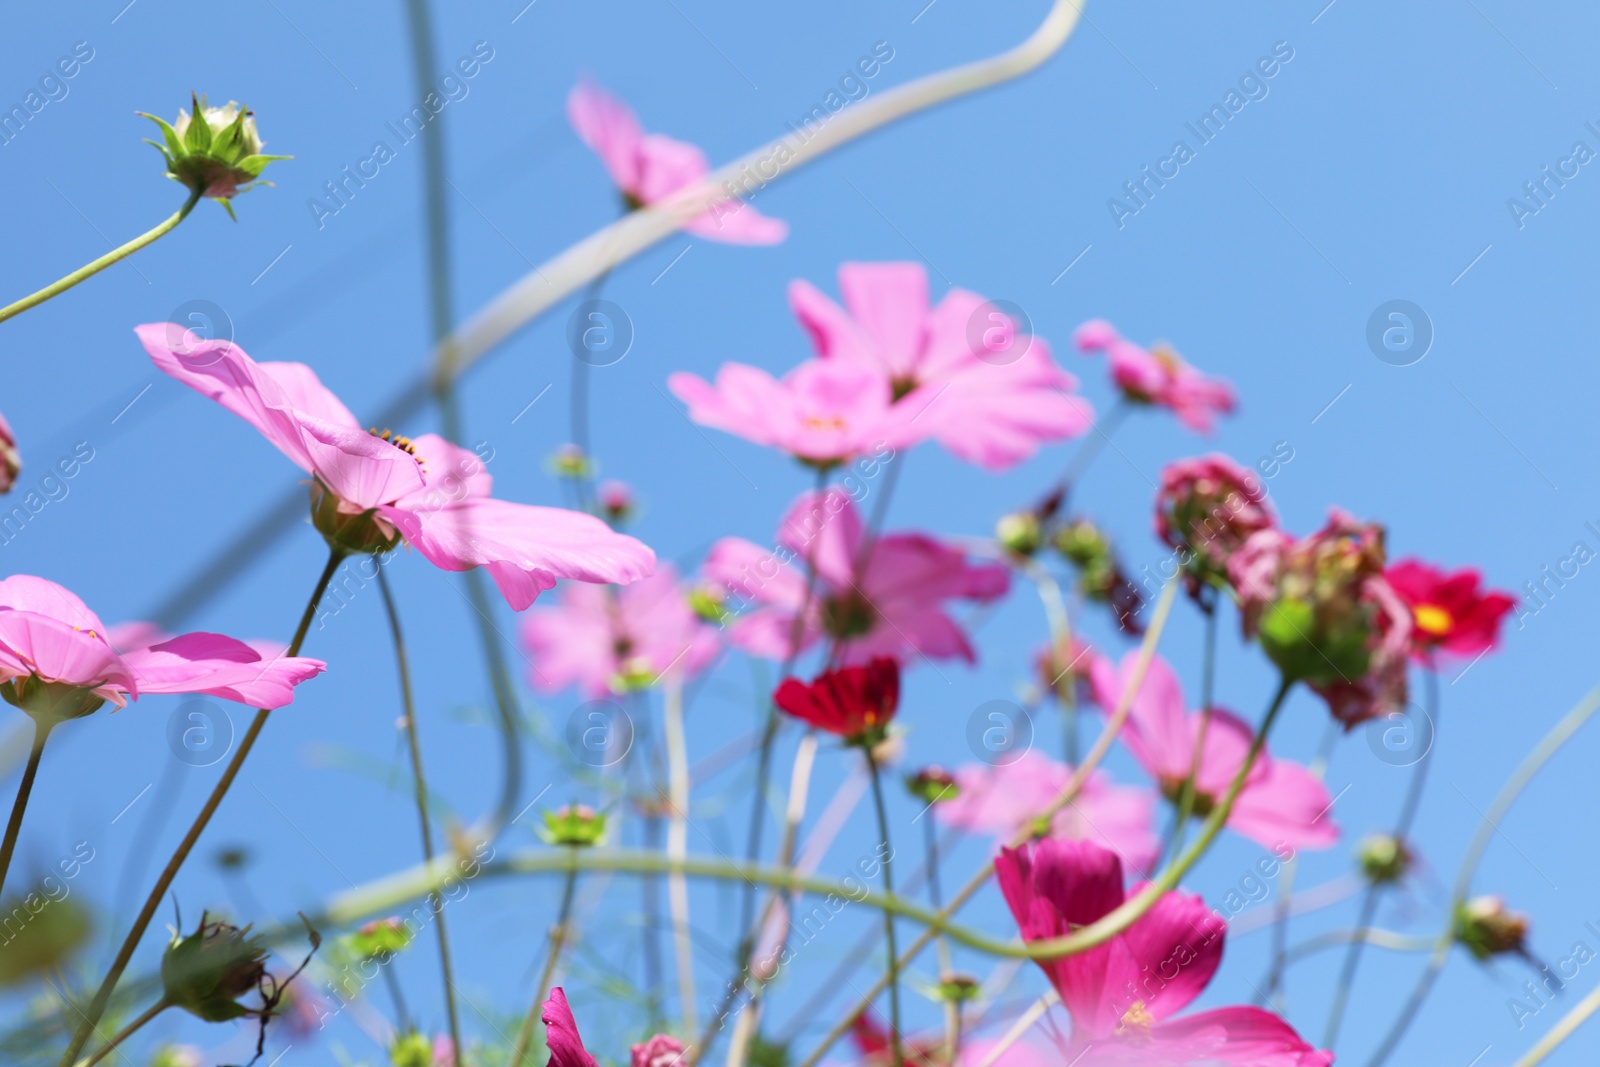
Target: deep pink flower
[1449,612]
[607,640]
[894,607]
[822,413]
[855,703]
[432,494]
[56,661]
[561,1033]
[662,1050]
[1123,994]
[960,373]
[1325,614]
[1158,375]
[650,167]
[1003,801]
[10,458]
[1206,508]
[1281,803]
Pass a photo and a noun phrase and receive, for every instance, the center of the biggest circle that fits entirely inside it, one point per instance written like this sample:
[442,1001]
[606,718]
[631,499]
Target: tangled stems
[888,916]
[558,940]
[41,733]
[116,255]
[1530,766]
[97,1008]
[1369,902]
[414,741]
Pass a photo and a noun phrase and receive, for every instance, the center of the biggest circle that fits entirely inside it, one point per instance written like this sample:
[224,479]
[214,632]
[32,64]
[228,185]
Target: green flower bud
[570,461]
[50,702]
[176,1056]
[767,1053]
[1486,927]
[709,603]
[381,937]
[958,988]
[932,785]
[357,534]
[576,825]
[1384,859]
[1020,533]
[414,1050]
[216,151]
[1082,543]
[206,972]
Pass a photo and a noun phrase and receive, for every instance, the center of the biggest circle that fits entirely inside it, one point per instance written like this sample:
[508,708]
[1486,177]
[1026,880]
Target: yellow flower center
[1432,619]
[1168,357]
[1135,1024]
[816,422]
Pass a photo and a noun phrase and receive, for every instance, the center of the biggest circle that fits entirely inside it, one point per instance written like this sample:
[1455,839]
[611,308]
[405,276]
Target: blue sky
[1379,163]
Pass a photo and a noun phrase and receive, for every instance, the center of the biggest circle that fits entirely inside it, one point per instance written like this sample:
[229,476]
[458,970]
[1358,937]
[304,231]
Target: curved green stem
[414,743]
[895,1049]
[126,1032]
[541,991]
[1186,796]
[41,733]
[1562,1030]
[94,267]
[1291,869]
[1530,766]
[102,997]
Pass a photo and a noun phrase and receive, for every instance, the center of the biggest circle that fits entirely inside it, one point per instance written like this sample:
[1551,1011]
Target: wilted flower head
[206,972]
[1159,376]
[1207,508]
[216,151]
[1384,859]
[1100,573]
[855,703]
[1450,613]
[1488,928]
[1325,615]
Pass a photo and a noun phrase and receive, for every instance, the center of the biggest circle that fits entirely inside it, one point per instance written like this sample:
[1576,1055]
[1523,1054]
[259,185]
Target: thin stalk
[102,997]
[414,742]
[558,940]
[116,255]
[41,734]
[126,1032]
[402,1016]
[1086,453]
[1530,766]
[1186,796]
[888,916]
[678,847]
[952,1009]
[1280,921]
[1060,626]
[1369,902]
[1562,1030]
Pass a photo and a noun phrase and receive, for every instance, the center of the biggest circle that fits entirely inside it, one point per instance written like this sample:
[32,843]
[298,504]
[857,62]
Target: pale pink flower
[886,600]
[1123,994]
[650,167]
[822,413]
[1005,800]
[1282,802]
[430,493]
[606,640]
[1158,375]
[56,661]
[960,372]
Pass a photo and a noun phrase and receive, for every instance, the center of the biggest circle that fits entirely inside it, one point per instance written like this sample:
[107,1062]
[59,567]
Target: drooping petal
[1238,1036]
[610,129]
[41,596]
[1287,805]
[1172,952]
[890,303]
[362,470]
[561,1033]
[57,651]
[221,667]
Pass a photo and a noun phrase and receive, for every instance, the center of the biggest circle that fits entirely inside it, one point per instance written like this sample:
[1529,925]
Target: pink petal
[735,222]
[1238,1036]
[561,1033]
[666,165]
[450,473]
[607,126]
[1287,805]
[57,651]
[222,667]
[890,303]
[1171,953]
[362,470]
[825,531]
[833,332]
[44,597]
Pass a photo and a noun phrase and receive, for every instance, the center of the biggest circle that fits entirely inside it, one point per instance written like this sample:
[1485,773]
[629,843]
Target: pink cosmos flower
[561,1033]
[56,661]
[1449,612]
[10,458]
[1281,803]
[960,373]
[650,167]
[889,601]
[821,413]
[370,491]
[1122,995]
[662,1050]
[606,640]
[1005,800]
[1206,508]
[1158,375]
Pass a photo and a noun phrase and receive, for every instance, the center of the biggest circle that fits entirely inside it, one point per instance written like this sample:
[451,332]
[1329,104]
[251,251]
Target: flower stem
[126,1032]
[414,742]
[952,1008]
[41,733]
[888,916]
[1369,902]
[1186,798]
[116,255]
[558,938]
[1291,868]
[1089,451]
[678,847]
[1562,1030]
[102,998]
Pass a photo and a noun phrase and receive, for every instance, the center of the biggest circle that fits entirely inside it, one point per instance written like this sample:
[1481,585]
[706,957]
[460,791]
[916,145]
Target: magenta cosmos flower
[889,601]
[960,373]
[1122,995]
[1450,613]
[821,413]
[56,662]
[371,491]
[1159,376]
[650,167]
[1006,800]
[1281,803]
[1206,508]
[606,640]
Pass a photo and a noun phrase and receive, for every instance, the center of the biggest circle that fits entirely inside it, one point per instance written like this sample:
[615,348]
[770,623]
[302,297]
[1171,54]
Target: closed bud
[215,151]
[1486,927]
[576,825]
[958,988]
[1384,859]
[420,1050]
[206,972]
[1020,533]
[932,785]
[570,461]
[709,602]
[616,501]
[1082,543]
[381,937]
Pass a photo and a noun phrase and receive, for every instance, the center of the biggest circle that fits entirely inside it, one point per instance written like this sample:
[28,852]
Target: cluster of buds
[575,826]
[1384,859]
[1486,927]
[1100,574]
[215,151]
[1325,615]
[933,785]
[1206,509]
[206,972]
